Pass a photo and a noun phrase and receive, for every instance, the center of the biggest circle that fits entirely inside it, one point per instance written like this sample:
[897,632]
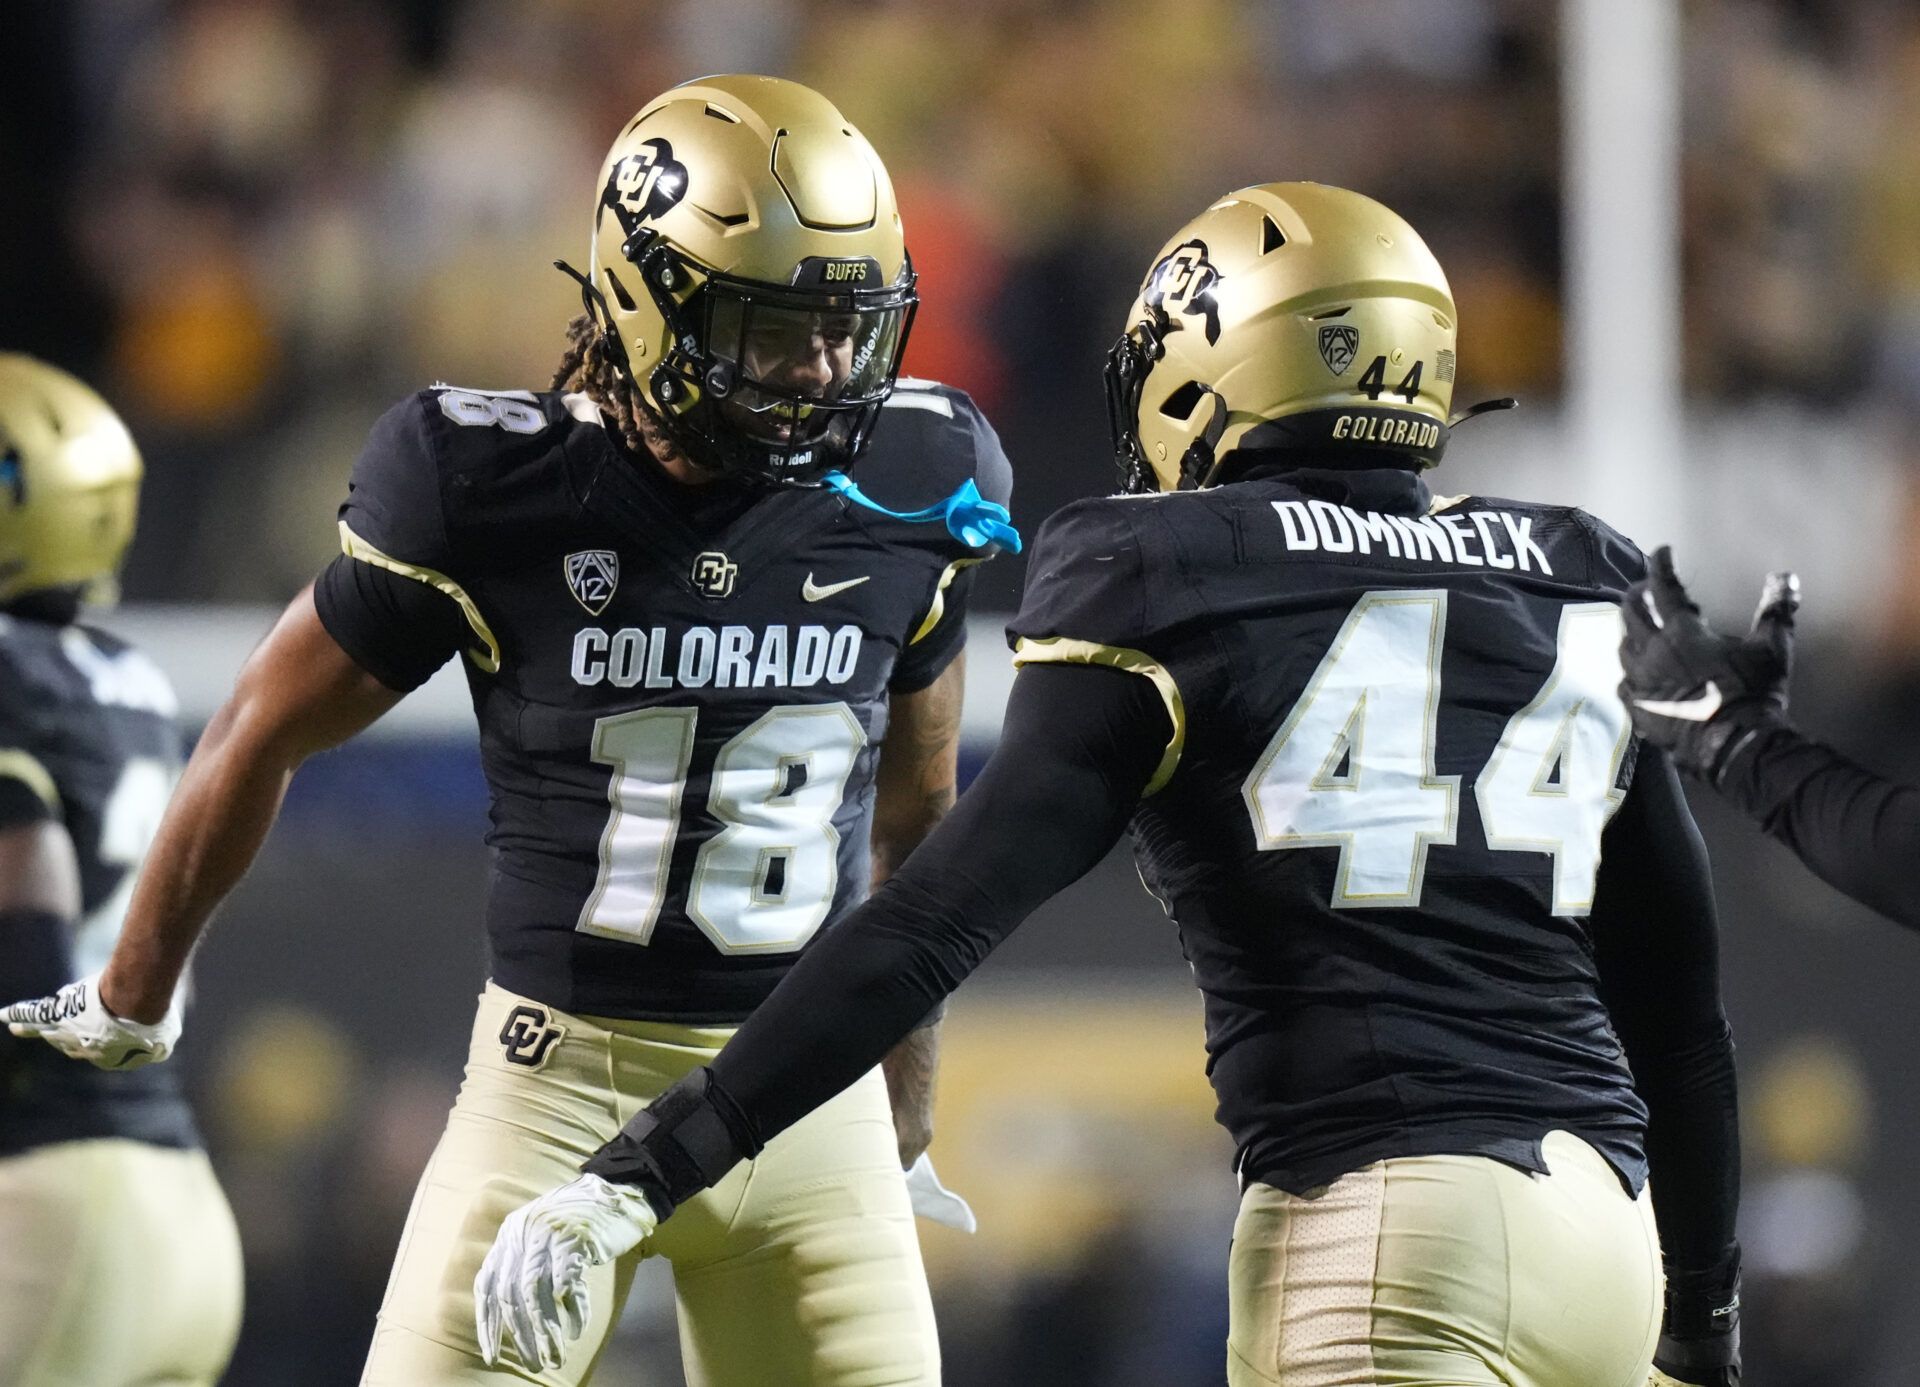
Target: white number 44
[1352,767]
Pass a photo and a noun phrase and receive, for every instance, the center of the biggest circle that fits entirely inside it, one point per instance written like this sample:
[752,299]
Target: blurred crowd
[255,223]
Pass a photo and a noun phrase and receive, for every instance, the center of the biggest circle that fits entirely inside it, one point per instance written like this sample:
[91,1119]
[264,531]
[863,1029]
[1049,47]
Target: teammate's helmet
[1285,315]
[749,264]
[69,484]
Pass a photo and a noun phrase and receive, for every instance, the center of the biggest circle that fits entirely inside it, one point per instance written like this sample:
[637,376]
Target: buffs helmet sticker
[1182,285]
[648,183]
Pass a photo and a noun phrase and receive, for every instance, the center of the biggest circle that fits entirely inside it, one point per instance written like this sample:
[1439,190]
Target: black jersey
[87,738]
[681,692]
[1396,745]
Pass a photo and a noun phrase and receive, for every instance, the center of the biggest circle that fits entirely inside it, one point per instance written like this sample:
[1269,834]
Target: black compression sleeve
[1079,745]
[1856,831]
[396,628]
[1658,944]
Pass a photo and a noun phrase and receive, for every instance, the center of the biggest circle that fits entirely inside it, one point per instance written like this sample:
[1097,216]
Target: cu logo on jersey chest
[714,574]
[529,1036]
[592,575]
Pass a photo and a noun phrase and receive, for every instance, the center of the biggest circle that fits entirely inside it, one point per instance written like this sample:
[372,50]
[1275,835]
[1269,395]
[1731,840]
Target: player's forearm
[1693,1148]
[916,784]
[220,815]
[1855,830]
[910,1068]
[1078,747]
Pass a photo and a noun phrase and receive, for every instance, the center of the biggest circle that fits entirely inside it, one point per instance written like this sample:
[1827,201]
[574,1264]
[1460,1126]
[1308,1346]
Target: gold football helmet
[1285,315]
[69,484]
[749,268]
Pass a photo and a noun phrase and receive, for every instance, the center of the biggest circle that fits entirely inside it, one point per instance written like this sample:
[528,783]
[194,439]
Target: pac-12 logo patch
[1339,344]
[592,575]
[714,574]
[529,1036]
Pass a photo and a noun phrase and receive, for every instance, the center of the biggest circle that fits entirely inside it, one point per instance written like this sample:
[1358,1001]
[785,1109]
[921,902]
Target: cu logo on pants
[529,1036]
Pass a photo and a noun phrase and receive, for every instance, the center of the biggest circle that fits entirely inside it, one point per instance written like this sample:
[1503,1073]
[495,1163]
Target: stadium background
[255,222]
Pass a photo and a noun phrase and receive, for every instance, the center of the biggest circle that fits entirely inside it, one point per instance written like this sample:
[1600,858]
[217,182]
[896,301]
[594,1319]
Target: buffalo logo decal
[645,185]
[1182,286]
[592,575]
[1339,344]
[529,1036]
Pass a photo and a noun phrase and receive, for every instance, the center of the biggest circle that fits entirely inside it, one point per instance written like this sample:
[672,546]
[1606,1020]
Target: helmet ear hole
[627,304]
[1183,401]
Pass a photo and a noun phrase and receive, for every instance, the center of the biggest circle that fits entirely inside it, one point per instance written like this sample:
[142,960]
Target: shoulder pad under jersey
[1086,578]
[930,439]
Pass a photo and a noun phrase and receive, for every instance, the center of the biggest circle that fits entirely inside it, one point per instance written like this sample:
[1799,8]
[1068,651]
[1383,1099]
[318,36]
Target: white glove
[77,1024]
[933,1201]
[532,1288]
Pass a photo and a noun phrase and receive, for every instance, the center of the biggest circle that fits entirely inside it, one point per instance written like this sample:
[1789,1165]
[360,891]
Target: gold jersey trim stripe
[357,548]
[1060,650]
[16,764]
[939,607]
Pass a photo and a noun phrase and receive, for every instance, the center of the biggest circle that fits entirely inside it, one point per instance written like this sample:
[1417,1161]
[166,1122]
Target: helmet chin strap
[1201,461]
[595,304]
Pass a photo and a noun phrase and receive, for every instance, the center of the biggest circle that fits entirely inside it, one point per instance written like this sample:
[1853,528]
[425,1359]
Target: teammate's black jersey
[681,692]
[87,738]
[1396,744]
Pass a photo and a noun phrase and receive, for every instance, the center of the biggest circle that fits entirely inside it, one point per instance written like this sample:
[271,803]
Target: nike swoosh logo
[1699,708]
[813,592]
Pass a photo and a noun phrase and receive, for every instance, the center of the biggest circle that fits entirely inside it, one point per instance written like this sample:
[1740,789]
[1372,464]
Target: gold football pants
[801,1267]
[1447,1271]
[119,1267]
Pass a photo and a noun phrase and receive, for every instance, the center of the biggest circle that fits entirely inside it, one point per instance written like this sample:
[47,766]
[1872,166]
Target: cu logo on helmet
[529,1036]
[647,183]
[1183,283]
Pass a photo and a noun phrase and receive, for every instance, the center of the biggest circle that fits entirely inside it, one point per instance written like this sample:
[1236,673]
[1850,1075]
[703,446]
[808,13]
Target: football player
[117,1250]
[1719,705]
[705,663]
[1368,743]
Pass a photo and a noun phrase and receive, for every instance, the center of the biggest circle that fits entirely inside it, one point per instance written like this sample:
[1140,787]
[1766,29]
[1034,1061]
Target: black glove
[1700,1341]
[1702,695]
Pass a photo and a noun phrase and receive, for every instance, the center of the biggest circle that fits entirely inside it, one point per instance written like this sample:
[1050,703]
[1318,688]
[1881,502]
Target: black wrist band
[1704,1301]
[680,1144]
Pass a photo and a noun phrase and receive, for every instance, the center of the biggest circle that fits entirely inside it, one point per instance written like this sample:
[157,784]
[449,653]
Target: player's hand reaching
[532,1289]
[1700,694]
[77,1023]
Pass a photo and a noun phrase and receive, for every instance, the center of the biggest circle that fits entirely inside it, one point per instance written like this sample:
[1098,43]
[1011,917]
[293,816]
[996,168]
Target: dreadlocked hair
[589,366]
